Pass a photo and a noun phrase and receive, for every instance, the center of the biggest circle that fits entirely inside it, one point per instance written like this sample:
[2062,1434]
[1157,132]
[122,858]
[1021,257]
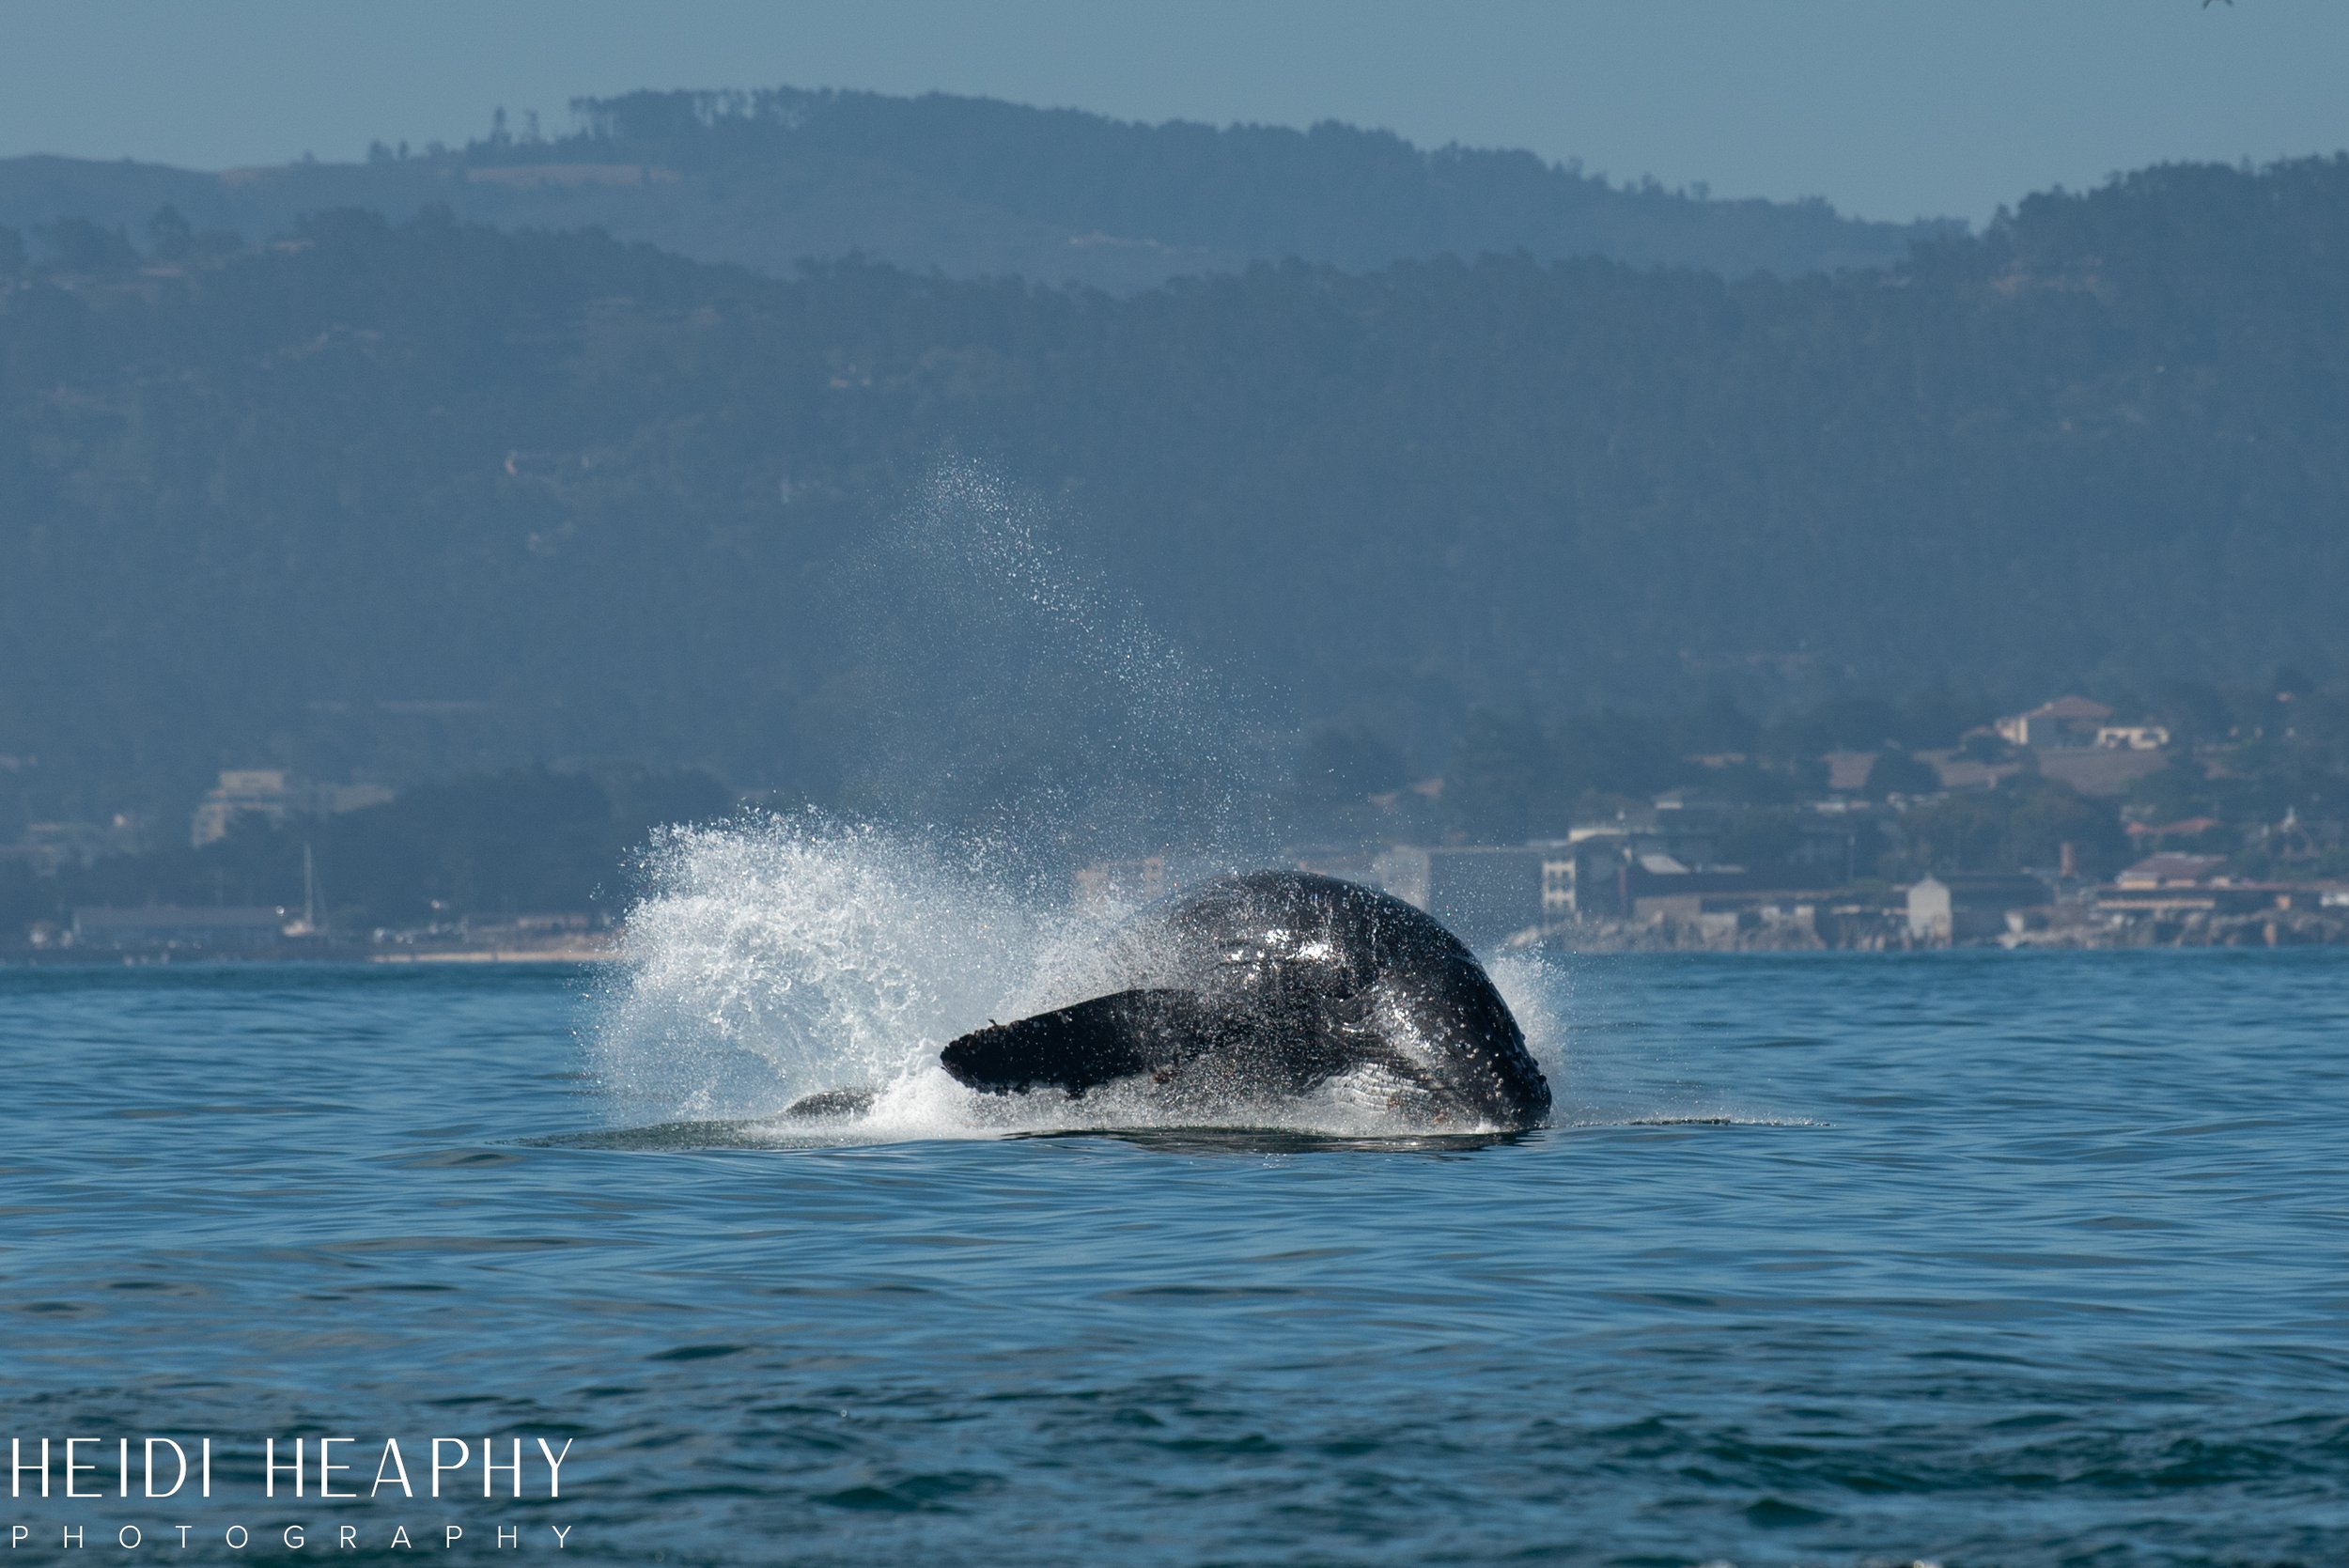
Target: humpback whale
[1274,983]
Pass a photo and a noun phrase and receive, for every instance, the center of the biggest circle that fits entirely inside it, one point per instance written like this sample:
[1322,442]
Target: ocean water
[1970,1258]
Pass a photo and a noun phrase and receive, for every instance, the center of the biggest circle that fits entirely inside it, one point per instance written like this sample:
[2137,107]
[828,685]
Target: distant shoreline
[580,953]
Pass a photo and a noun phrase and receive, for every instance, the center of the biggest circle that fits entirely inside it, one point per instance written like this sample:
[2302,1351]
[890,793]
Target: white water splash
[778,958]
[1531,989]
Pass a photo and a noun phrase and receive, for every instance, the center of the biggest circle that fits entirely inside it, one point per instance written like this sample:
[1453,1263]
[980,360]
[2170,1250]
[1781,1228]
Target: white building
[1964,909]
[2065,721]
[273,794]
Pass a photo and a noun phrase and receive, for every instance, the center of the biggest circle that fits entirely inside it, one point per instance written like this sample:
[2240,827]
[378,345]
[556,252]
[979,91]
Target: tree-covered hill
[392,499]
[973,187]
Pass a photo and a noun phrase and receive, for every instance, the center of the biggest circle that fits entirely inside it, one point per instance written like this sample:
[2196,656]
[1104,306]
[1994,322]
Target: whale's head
[1403,993]
[1447,1029]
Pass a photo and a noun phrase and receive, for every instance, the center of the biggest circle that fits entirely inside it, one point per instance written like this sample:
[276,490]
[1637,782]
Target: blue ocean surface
[1972,1258]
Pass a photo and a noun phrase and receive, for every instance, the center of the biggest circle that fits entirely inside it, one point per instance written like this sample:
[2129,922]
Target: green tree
[1500,779]
[79,246]
[1895,771]
[168,236]
[2022,824]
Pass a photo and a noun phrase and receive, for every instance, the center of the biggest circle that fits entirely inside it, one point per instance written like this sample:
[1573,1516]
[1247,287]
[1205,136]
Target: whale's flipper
[833,1102]
[1081,1048]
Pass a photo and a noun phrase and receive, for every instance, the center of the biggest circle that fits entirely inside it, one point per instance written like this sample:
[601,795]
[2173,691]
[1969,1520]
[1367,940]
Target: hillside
[392,499]
[973,187]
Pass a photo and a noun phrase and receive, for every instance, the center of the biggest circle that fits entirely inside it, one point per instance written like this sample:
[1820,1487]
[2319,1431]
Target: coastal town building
[48,847]
[1482,891]
[2170,871]
[1958,909]
[168,927]
[1585,876]
[2073,742]
[2170,885]
[272,795]
[2065,721]
[1656,863]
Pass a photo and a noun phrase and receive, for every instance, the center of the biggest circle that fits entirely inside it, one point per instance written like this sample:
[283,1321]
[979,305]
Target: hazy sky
[1888,108]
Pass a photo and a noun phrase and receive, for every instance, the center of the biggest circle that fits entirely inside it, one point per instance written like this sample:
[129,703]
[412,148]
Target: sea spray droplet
[1012,691]
[773,957]
[1532,988]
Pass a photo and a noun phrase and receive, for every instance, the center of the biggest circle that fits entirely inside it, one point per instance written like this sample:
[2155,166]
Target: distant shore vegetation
[419,501]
